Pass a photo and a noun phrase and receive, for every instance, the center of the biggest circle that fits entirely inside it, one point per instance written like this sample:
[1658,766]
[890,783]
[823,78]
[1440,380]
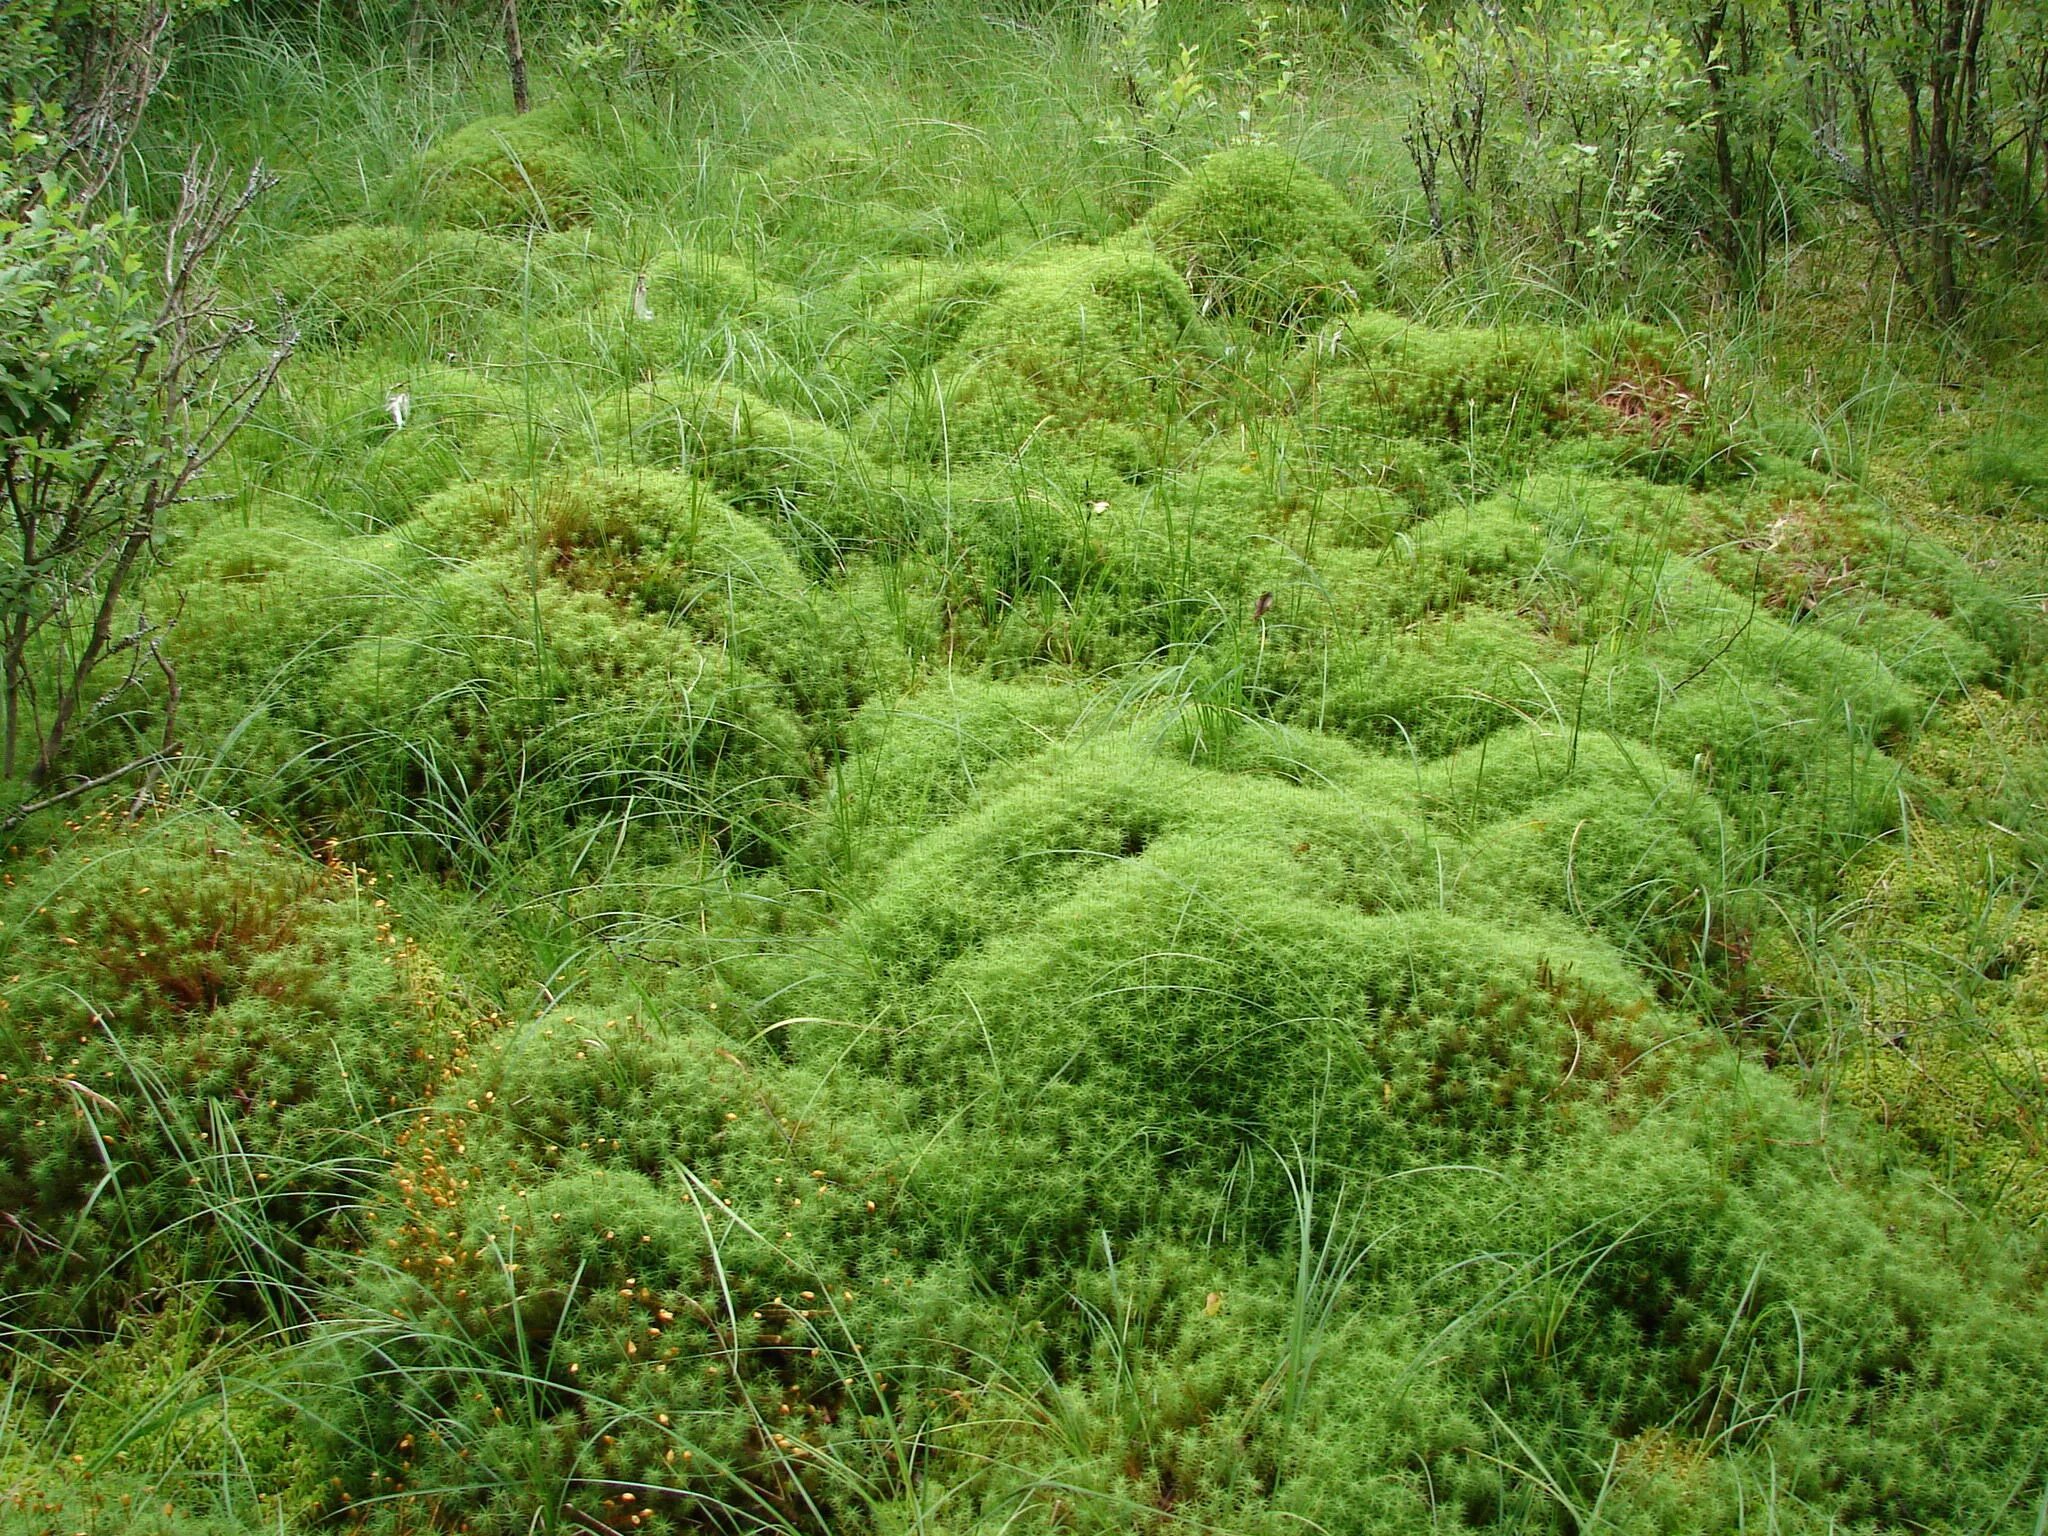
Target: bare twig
[70,792]
[90,490]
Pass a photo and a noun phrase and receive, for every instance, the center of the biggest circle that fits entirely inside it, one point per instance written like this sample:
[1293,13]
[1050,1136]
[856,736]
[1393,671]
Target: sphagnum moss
[1073,880]
[1261,236]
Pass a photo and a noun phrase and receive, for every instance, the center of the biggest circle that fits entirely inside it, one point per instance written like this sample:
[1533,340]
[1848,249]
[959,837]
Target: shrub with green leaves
[125,377]
[1262,237]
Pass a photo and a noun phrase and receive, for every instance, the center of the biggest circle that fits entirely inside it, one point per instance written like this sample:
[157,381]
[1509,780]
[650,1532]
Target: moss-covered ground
[902,816]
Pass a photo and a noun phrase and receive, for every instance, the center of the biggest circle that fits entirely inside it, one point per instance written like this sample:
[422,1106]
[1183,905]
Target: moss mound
[1201,967]
[545,167]
[1087,349]
[1117,892]
[1097,570]
[1487,402]
[1262,237]
[706,286]
[1735,1270]
[1821,554]
[823,168]
[915,761]
[204,1033]
[498,710]
[1378,375]
[661,1239]
[825,492]
[377,280]
[910,315]
[269,610]
[665,548]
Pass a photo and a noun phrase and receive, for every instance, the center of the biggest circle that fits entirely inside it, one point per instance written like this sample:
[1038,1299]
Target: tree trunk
[515,57]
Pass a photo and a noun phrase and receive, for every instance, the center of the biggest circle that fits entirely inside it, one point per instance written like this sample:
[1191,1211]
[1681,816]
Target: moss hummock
[1263,238]
[548,167]
[1087,351]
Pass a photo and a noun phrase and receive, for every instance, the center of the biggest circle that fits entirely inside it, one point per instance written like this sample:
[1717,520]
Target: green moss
[915,761]
[1483,402]
[1463,557]
[667,549]
[1925,652]
[1150,564]
[498,709]
[1717,682]
[2008,467]
[1087,349]
[657,542]
[1028,813]
[823,168]
[1428,687]
[1985,760]
[1716,1227]
[1709,674]
[1595,828]
[1188,966]
[810,477]
[267,611]
[1861,569]
[544,167]
[1261,236]
[1948,948]
[1376,375]
[204,1033]
[42,1495]
[155,1381]
[346,285]
[629,1165]
[1609,1290]
[706,286]
[1272,483]
[910,315]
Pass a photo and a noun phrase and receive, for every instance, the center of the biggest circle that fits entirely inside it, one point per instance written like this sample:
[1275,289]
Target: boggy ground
[1032,843]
